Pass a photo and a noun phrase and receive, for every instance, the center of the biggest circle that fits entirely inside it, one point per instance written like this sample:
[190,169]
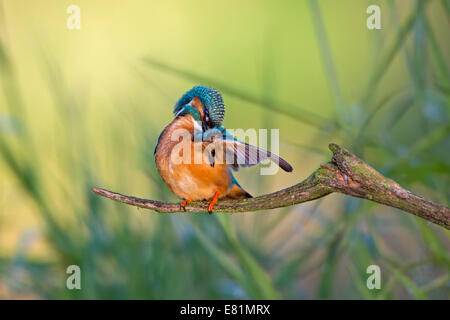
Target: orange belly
[197,182]
[190,180]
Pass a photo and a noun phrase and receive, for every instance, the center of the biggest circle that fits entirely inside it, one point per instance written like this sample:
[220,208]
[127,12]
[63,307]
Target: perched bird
[197,130]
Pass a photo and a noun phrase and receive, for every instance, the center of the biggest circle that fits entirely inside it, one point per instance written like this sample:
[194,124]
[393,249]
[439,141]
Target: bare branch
[345,173]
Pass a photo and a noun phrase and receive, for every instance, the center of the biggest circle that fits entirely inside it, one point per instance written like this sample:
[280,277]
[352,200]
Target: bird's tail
[237,192]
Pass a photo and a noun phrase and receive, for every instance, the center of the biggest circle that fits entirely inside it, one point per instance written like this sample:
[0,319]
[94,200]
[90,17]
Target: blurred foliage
[83,108]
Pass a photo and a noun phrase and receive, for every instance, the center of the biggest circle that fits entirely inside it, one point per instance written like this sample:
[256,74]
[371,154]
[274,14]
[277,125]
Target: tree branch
[345,173]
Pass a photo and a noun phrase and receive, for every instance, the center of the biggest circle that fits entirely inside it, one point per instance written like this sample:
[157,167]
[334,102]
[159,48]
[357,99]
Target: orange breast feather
[193,181]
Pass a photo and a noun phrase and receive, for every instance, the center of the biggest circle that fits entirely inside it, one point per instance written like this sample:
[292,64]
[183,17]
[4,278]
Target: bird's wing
[238,153]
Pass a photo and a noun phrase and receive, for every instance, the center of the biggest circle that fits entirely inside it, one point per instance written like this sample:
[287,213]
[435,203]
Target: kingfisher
[196,156]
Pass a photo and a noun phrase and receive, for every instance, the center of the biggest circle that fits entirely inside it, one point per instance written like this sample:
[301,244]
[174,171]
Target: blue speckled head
[211,100]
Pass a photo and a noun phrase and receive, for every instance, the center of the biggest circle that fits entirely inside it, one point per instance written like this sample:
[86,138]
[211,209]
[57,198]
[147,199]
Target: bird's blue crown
[211,99]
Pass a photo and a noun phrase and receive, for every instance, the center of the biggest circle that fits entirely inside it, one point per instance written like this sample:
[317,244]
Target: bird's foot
[184,203]
[213,202]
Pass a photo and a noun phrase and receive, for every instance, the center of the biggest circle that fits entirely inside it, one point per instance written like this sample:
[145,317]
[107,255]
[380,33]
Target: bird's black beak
[181,111]
[206,123]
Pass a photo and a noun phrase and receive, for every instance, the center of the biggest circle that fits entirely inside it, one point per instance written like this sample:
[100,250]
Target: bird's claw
[184,203]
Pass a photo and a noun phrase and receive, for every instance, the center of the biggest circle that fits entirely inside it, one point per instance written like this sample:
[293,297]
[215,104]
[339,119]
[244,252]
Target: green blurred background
[83,108]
